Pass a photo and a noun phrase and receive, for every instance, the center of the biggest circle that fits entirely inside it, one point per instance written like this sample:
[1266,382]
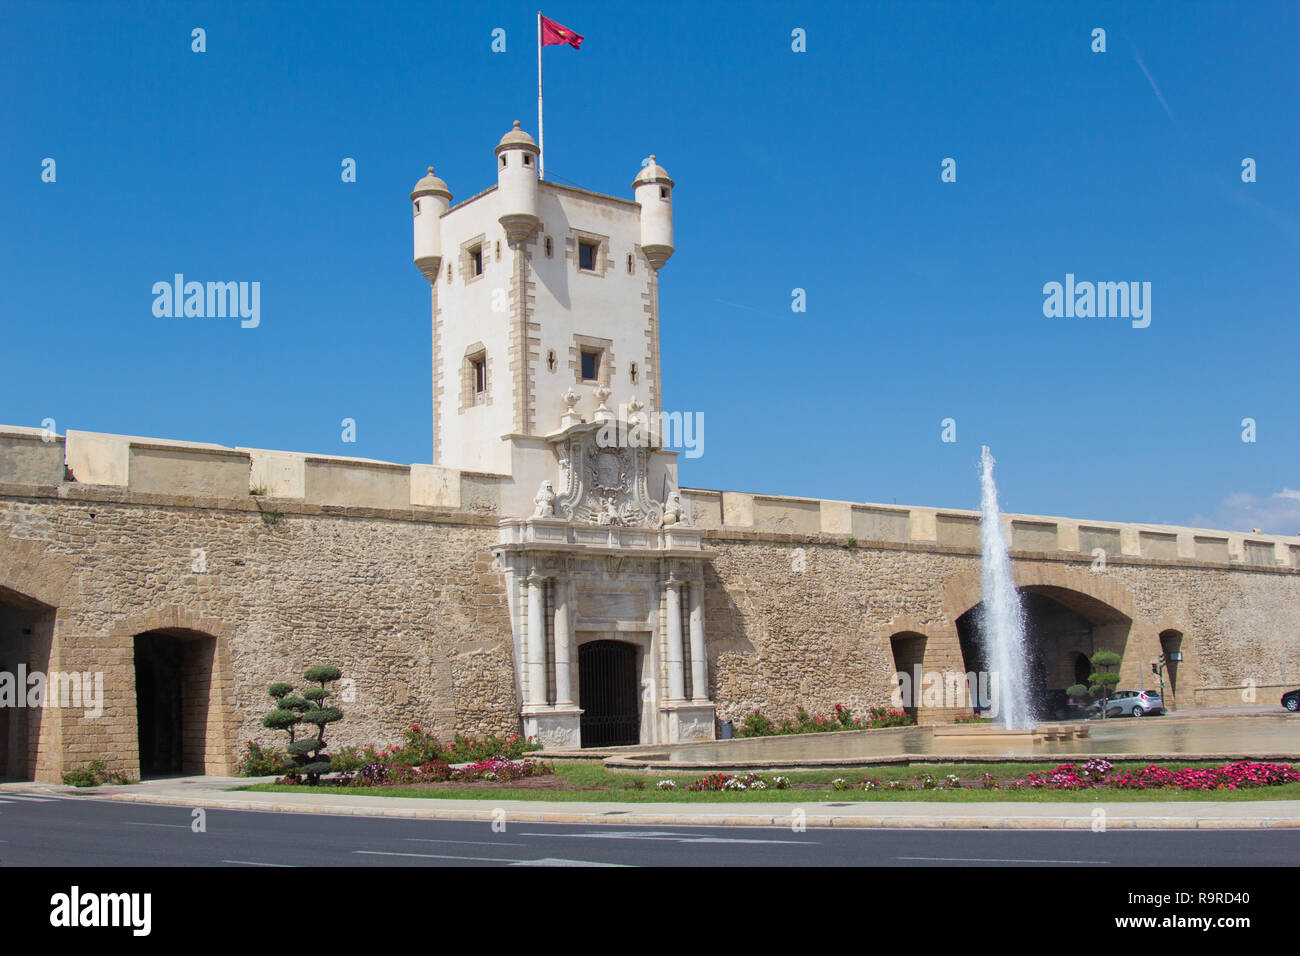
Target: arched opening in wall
[1063,629]
[908,650]
[174,699]
[26,635]
[1082,669]
[1171,645]
[609,694]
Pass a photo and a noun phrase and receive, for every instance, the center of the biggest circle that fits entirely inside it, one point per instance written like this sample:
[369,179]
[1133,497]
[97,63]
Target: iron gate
[608,694]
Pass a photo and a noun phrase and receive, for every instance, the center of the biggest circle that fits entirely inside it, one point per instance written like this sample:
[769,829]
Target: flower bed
[491,770]
[419,758]
[727,781]
[1239,775]
[758,724]
[418,749]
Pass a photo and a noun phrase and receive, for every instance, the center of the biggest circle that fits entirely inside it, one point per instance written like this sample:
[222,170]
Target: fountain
[1003,622]
[1003,631]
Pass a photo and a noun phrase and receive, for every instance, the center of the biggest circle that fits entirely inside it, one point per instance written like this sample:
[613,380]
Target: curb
[659,818]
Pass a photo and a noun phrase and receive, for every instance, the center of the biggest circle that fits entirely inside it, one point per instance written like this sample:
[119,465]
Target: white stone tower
[545,332]
[538,288]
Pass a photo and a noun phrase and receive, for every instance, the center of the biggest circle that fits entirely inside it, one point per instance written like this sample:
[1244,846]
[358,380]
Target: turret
[654,192]
[431,198]
[517,155]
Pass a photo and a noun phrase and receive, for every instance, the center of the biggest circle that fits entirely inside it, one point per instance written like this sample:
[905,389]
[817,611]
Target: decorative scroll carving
[606,485]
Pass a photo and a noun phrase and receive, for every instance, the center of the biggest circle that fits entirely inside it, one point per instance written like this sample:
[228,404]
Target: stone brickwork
[408,601]
[411,610]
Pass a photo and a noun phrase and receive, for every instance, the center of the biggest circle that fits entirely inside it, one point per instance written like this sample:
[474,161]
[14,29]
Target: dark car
[1058,705]
[1291,700]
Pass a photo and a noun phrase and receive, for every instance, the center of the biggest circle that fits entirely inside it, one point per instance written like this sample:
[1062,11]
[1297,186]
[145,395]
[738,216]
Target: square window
[480,375]
[528,159]
[590,365]
[587,256]
[476,260]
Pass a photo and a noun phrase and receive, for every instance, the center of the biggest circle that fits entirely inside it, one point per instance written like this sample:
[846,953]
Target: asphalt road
[85,832]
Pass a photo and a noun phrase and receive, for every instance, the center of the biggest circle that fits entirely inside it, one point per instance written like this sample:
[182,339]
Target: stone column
[563,645]
[536,638]
[699,665]
[676,668]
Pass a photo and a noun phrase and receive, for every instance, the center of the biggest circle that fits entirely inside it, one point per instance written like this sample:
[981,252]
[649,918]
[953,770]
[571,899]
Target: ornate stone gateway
[603,562]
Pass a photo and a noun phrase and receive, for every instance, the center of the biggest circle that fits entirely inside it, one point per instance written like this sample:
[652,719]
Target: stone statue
[545,501]
[673,513]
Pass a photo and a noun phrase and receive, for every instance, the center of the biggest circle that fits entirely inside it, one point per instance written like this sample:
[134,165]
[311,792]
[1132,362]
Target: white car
[1130,703]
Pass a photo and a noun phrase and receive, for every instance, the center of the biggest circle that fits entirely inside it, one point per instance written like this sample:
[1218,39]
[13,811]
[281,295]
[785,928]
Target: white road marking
[179,826]
[981,859]
[555,861]
[442,856]
[464,842]
[24,797]
[255,863]
[672,837]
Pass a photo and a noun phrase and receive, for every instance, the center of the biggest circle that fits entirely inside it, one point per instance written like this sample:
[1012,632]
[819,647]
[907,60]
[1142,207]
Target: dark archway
[908,650]
[1171,643]
[1063,629]
[26,635]
[1082,669]
[609,694]
[173,691]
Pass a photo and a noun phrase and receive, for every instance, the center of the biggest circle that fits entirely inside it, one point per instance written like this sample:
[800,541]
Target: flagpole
[541,136]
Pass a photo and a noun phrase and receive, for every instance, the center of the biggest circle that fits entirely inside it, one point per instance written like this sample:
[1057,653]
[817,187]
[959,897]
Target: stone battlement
[157,467]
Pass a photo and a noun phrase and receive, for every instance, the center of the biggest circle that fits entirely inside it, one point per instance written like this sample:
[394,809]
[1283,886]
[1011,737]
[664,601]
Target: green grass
[593,774]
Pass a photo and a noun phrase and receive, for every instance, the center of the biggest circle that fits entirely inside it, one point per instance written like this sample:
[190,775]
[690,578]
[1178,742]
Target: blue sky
[924,298]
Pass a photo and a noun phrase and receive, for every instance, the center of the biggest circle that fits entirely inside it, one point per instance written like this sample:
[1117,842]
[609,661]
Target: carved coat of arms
[606,485]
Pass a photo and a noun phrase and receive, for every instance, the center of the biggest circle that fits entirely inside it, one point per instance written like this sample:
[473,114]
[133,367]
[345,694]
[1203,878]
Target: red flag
[553,33]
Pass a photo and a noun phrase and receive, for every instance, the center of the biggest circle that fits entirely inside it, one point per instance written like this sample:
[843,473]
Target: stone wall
[814,621]
[410,609]
[387,572]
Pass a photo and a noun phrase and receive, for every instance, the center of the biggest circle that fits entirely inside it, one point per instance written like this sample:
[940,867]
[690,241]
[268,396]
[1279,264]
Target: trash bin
[727,731]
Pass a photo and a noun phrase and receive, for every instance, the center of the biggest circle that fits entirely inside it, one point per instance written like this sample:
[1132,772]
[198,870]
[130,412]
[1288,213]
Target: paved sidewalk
[214,793]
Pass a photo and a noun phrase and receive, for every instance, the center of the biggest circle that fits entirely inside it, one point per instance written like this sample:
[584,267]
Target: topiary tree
[291,711]
[1104,676]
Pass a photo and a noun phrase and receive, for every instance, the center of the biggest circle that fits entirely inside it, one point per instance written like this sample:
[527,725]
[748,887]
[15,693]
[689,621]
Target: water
[1003,620]
[1147,738]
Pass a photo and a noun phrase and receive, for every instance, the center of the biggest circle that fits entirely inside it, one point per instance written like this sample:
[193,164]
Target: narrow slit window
[549,247]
